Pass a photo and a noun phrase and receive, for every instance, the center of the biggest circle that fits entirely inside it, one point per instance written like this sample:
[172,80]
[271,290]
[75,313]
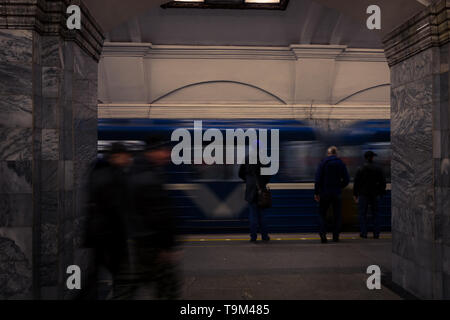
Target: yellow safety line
[276,239]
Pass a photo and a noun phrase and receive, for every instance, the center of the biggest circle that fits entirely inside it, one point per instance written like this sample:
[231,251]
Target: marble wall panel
[446,258]
[50,112]
[16,210]
[84,66]
[48,270]
[419,98]
[49,178]
[86,137]
[52,53]
[16,144]
[16,78]
[416,68]
[17,46]
[16,110]
[50,144]
[15,271]
[51,82]
[16,177]
[39,132]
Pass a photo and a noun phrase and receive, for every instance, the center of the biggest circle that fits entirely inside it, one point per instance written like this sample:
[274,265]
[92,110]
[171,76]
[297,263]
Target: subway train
[210,198]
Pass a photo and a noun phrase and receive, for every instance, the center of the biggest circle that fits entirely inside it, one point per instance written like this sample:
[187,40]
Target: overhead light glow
[246,1]
[262,1]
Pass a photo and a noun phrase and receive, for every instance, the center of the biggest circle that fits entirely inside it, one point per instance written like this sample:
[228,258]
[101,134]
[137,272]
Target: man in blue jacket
[331,178]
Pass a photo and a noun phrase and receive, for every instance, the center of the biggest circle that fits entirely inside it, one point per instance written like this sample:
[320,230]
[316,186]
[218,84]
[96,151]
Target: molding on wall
[429,28]
[125,49]
[317,51]
[49,18]
[292,52]
[240,111]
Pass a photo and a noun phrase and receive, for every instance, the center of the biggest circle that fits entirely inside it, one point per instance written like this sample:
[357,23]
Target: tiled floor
[291,266]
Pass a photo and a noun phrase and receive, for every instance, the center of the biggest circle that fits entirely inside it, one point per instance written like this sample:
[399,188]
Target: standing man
[254,184]
[369,185]
[331,178]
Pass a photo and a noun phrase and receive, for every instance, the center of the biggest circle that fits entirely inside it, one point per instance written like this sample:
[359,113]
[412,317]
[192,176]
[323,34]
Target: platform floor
[289,267]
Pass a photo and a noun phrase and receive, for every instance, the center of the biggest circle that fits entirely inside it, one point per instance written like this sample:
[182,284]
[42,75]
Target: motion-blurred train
[210,198]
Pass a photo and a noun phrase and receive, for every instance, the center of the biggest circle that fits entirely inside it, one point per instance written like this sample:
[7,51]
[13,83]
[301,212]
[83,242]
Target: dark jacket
[251,174]
[331,177]
[369,181]
[109,204]
[152,222]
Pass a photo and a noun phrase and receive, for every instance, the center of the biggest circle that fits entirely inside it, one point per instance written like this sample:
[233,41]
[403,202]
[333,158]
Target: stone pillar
[418,54]
[48,140]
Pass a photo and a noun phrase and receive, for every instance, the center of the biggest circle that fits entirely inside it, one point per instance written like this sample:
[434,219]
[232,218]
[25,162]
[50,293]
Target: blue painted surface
[301,148]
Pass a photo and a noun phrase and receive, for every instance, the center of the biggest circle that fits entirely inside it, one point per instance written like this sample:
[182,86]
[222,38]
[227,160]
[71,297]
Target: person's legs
[263,224]
[337,212]
[253,218]
[124,275]
[124,283]
[376,216]
[363,204]
[324,204]
[167,281]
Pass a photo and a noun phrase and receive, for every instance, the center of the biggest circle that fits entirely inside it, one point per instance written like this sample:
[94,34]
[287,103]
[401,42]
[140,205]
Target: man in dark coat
[109,204]
[369,185]
[152,224]
[255,182]
[331,178]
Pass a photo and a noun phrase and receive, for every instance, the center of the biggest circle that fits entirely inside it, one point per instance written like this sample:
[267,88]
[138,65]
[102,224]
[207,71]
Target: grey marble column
[418,54]
[48,140]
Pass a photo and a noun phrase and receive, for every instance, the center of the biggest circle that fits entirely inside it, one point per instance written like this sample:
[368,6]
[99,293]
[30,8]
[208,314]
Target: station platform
[289,267]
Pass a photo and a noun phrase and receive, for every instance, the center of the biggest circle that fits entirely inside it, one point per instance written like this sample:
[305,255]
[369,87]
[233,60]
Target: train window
[299,160]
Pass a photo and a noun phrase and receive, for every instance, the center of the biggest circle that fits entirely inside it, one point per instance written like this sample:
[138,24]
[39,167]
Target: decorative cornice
[220,52]
[366,55]
[48,17]
[317,51]
[126,49]
[230,111]
[430,28]
[293,52]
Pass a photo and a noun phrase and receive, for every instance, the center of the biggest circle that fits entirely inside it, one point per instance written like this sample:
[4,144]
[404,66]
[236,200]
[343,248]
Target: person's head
[332,151]
[119,155]
[157,150]
[369,155]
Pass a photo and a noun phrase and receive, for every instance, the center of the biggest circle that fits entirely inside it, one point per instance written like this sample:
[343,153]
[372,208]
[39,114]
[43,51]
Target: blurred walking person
[109,203]
[331,177]
[255,190]
[153,227]
[369,186]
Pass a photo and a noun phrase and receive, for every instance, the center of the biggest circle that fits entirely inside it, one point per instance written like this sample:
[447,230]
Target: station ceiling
[303,22]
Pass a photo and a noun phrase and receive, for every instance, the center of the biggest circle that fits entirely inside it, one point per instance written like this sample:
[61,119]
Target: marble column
[48,140]
[418,55]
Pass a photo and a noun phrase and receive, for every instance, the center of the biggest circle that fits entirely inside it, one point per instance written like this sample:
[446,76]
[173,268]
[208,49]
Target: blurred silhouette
[255,186]
[152,228]
[369,186]
[331,177]
[109,203]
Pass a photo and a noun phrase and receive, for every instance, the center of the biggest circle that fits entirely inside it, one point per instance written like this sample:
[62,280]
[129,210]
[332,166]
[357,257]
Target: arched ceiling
[305,22]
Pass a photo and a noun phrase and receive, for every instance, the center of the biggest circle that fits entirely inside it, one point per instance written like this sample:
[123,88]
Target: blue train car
[210,198]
